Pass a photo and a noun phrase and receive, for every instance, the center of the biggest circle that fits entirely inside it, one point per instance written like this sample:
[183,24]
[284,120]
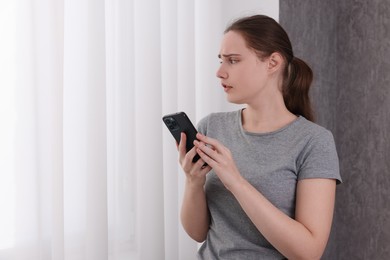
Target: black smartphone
[179,122]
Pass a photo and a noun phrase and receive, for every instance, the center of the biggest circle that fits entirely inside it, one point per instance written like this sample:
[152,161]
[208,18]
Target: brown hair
[265,36]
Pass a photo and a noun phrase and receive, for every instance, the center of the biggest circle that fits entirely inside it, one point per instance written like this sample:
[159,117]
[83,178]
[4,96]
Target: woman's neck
[267,116]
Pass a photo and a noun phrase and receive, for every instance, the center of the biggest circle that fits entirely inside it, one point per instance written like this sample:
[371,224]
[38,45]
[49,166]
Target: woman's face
[243,75]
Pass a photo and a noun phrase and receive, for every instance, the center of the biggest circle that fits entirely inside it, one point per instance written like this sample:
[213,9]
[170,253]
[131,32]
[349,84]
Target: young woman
[264,187]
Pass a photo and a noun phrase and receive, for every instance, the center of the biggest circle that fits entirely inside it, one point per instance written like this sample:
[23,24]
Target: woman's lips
[226,87]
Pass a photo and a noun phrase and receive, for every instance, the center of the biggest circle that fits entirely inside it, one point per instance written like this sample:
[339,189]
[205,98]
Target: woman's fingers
[185,158]
[207,159]
[201,165]
[182,146]
[208,140]
[202,146]
[213,152]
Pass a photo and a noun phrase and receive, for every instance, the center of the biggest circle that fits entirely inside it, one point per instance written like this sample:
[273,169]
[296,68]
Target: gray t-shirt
[273,163]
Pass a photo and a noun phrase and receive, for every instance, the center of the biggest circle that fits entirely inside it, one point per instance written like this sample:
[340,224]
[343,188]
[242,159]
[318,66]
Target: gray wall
[347,43]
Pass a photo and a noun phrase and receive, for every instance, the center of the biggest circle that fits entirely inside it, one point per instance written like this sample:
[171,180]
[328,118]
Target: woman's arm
[194,212]
[304,237]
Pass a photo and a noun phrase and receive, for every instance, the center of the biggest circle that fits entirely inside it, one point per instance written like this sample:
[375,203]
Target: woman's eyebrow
[227,55]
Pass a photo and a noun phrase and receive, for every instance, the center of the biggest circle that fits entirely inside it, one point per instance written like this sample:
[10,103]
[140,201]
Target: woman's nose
[222,74]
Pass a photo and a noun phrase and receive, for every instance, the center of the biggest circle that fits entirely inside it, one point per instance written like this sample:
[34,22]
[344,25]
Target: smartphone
[179,122]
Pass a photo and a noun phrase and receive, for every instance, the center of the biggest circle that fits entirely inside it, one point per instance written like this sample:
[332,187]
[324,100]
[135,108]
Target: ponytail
[296,88]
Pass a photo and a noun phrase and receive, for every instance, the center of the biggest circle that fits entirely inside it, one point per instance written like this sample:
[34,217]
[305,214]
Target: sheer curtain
[87,169]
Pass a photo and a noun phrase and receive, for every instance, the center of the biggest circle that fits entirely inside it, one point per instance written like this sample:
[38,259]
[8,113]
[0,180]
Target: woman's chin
[233,100]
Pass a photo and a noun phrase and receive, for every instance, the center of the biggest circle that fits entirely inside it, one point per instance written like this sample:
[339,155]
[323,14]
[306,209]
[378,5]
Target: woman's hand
[195,172]
[219,158]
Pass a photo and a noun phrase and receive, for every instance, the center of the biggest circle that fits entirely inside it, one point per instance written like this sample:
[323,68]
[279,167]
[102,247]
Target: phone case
[179,122]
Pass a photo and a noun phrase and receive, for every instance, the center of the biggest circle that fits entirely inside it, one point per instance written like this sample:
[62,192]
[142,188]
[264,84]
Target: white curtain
[87,169]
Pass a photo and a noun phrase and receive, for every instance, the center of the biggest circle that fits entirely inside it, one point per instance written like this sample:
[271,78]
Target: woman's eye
[230,61]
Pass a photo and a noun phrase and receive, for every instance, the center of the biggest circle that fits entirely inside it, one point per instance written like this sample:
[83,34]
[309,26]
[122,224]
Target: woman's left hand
[218,157]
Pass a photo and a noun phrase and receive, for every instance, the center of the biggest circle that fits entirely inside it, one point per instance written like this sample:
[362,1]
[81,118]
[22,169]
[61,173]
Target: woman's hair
[265,36]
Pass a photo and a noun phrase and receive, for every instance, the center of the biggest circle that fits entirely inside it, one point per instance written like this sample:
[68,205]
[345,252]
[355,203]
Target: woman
[264,187]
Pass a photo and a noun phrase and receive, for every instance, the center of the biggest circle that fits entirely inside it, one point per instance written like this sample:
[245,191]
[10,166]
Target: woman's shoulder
[311,129]
[316,139]
[222,116]
[217,120]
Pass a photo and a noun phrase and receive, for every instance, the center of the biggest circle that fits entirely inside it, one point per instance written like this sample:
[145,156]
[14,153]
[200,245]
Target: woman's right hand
[195,172]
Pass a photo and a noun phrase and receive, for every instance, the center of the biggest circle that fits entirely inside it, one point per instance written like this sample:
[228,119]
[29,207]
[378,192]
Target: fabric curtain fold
[87,168]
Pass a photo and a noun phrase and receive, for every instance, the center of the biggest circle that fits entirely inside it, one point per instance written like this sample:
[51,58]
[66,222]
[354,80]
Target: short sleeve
[319,158]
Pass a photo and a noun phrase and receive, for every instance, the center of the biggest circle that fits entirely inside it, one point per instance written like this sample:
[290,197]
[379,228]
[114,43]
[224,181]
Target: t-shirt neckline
[289,125]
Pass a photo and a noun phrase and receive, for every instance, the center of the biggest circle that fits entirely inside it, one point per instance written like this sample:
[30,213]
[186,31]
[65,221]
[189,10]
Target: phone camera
[171,123]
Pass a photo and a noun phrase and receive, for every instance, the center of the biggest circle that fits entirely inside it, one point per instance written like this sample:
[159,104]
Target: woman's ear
[275,62]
